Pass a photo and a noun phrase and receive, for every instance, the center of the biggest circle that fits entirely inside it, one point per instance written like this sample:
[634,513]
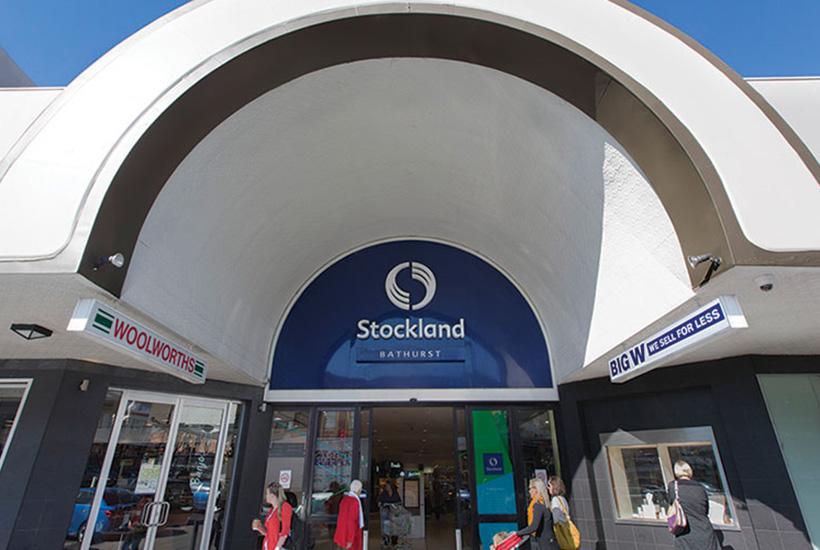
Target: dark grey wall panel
[47,457]
[249,478]
[721,394]
[25,445]
[57,470]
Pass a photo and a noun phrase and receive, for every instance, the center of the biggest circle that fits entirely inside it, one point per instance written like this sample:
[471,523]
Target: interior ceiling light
[30,331]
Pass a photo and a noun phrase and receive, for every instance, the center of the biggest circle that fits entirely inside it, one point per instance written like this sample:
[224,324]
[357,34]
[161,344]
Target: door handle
[164,511]
[147,512]
[155,514]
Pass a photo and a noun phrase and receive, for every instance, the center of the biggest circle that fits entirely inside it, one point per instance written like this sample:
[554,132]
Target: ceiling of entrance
[397,148]
[414,436]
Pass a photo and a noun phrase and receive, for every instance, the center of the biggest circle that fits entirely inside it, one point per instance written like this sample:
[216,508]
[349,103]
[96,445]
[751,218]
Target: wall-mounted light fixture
[714,264]
[30,331]
[117,260]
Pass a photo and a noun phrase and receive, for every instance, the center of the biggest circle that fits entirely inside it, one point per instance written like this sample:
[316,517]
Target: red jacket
[274,529]
[348,532]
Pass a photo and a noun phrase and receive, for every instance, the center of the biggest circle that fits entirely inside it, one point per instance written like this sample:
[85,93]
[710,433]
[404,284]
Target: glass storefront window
[12,395]
[157,474]
[641,466]
[538,443]
[332,461]
[288,448]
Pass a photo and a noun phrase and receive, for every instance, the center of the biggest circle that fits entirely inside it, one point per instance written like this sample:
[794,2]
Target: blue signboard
[408,315]
[493,464]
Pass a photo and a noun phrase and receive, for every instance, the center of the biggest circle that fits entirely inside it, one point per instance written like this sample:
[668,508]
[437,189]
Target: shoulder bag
[566,533]
[676,518]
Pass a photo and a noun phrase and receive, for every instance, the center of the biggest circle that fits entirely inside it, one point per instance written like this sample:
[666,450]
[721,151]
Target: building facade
[447,248]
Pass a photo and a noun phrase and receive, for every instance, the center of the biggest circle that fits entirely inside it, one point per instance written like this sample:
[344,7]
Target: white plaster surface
[798,101]
[401,148]
[101,114]
[19,107]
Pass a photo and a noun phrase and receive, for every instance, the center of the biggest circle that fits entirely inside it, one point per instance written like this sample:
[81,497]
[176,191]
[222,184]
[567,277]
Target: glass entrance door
[493,473]
[339,453]
[154,487]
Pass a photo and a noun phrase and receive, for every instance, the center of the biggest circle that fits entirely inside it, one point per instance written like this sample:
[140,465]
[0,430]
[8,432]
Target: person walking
[560,514]
[389,496]
[699,534]
[350,523]
[539,518]
[277,523]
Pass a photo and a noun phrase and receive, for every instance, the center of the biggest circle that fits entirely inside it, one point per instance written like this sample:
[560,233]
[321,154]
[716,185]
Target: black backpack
[299,537]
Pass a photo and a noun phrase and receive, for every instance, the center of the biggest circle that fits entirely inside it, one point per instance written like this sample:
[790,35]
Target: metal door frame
[516,460]
[178,401]
[310,452]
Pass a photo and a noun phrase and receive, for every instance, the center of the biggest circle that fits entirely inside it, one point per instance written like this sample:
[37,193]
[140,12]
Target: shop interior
[414,449]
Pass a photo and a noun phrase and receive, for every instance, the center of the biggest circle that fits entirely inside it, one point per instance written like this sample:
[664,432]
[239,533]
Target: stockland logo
[410,329]
[400,297]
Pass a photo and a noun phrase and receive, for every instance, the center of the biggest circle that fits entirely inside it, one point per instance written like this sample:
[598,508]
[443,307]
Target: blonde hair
[278,491]
[541,489]
[499,537]
[683,469]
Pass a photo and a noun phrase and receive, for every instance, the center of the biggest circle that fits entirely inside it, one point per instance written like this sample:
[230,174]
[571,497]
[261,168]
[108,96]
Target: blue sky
[55,40]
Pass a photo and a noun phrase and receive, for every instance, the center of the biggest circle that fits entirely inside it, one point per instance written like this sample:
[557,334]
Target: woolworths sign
[112,328]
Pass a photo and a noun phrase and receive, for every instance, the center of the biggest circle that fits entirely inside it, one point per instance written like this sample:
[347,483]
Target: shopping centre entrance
[460,471]
[429,373]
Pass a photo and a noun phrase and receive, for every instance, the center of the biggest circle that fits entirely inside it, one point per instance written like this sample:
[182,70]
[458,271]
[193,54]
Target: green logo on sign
[103,321]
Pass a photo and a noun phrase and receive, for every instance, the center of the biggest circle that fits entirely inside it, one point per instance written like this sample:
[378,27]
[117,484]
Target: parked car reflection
[113,516]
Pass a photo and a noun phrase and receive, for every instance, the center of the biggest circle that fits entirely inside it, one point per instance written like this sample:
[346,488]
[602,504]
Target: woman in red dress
[351,519]
[277,523]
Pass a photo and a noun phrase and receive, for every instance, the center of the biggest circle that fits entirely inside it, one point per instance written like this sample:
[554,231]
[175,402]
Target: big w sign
[108,326]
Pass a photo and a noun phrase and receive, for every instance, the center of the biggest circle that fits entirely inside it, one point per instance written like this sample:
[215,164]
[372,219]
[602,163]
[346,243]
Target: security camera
[765,282]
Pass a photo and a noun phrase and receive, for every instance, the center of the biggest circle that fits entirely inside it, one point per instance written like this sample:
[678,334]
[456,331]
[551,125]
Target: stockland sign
[716,317]
[110,327]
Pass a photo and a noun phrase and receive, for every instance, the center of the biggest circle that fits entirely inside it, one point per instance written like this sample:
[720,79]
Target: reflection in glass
[135,474]
[131,503]
[287,451]
[190,476]
[640,475]
[538,443]
[701,458]
[225,475]
[364,456]
[332,461]
[463,482]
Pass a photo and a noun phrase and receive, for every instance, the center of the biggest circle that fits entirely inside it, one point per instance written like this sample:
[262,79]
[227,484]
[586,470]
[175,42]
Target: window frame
[13,383]
[668,437]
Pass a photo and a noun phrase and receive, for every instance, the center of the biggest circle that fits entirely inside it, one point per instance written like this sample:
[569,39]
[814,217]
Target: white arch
[69,157]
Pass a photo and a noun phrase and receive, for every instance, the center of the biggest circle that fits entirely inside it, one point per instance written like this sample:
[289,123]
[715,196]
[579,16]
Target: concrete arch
[120,97]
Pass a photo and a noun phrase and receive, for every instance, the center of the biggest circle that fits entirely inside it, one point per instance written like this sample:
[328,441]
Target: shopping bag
[566,533]
[675,517]
[512,541]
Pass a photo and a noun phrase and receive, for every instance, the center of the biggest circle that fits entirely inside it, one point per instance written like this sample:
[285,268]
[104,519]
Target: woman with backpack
[277,523]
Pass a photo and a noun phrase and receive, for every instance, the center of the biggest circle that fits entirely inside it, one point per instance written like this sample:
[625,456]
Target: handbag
[566,533]
[676,517]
